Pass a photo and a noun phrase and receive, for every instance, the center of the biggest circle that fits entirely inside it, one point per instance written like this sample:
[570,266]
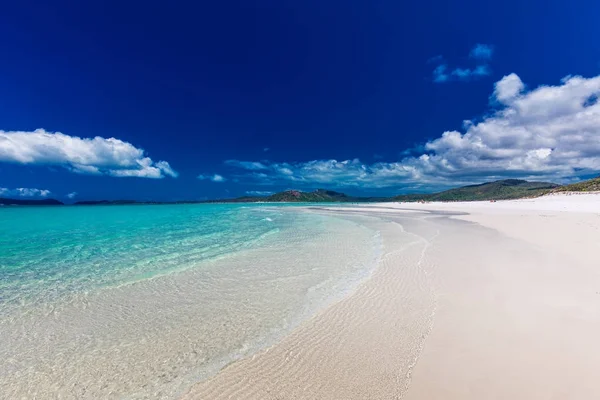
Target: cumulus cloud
[97,156]
[24,192]
[72,195]
[215,178]
[549,133]
[508,88]
[481,53]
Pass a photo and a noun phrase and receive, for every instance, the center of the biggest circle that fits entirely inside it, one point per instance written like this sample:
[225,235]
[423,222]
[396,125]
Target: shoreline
[495,300]
[329,347]
[155,337]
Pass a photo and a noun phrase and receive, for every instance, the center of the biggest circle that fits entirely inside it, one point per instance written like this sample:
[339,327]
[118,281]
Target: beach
[477,300]
[470,301]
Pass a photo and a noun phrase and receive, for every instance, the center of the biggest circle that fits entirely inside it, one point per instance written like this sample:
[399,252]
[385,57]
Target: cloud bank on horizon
[548,133]
[97,156]
[24,192]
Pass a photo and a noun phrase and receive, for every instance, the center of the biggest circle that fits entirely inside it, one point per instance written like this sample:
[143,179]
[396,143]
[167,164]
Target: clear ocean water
[143,301]
[49,252]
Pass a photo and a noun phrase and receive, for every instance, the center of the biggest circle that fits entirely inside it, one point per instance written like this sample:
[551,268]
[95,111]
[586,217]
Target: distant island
[506,189]
[23,202]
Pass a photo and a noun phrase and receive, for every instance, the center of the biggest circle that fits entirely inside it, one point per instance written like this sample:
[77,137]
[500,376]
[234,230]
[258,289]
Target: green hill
[591,185]
[499,190]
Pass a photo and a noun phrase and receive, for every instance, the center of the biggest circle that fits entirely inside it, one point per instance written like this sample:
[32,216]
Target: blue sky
[167,101]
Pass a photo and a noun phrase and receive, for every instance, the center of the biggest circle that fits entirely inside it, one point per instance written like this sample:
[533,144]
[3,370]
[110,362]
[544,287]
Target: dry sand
[470,301]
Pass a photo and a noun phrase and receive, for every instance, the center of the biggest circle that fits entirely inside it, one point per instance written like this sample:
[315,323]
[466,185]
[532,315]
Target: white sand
[502,302]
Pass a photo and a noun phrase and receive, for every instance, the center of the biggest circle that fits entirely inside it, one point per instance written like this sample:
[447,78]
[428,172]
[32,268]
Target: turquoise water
[144,301]
[47,252]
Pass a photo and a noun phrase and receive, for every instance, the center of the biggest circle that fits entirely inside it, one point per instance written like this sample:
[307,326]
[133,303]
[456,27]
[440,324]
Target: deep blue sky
[198,83]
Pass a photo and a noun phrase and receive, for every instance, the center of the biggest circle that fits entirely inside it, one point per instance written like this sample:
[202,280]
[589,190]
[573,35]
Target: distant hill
[26,202]
[296,196]
[319,195]
[591,185]
[498,190]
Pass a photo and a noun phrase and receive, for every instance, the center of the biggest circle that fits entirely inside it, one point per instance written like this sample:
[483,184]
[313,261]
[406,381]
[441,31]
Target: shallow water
[143,301]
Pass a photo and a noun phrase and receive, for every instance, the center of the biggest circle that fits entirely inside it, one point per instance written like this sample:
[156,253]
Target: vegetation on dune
[591,185]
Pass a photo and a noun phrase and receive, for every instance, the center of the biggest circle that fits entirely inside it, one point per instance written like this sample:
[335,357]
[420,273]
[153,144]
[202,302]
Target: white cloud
[508,88]
[98,156]
[550,133]
[72,195]
[24,192]
[215,178]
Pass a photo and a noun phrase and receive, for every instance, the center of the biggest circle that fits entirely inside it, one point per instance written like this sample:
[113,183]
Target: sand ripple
[363,347]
